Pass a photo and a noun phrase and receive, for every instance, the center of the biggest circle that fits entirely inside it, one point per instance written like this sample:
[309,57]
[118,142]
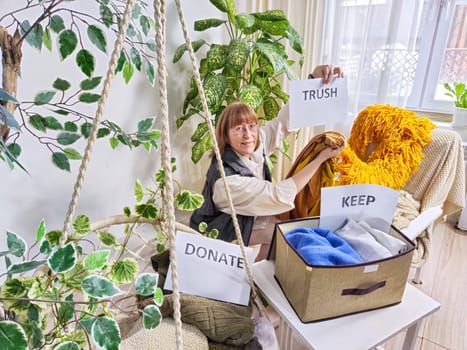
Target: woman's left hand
[327,72]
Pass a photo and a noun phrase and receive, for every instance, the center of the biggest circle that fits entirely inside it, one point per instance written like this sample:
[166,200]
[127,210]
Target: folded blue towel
[320,246]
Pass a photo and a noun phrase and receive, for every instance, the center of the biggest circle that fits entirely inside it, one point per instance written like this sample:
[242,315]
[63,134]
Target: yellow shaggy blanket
[385,147]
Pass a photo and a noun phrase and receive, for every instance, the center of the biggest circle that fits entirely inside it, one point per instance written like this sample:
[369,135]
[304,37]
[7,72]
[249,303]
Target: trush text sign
[211,268]
[312,103]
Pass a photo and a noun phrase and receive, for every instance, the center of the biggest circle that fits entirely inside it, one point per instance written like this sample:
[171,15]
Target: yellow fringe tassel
[385,147]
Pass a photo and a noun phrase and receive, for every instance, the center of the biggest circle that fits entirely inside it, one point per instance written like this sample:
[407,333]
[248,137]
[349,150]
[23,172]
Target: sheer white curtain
[374,41]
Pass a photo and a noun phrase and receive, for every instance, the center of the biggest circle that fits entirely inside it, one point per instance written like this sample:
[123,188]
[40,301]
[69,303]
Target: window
[397,52]
[443,55]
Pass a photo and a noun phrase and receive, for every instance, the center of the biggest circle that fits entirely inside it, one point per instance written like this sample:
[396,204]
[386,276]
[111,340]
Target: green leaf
[214,89]
[124,271]
[34,37]
[204,24]
[251,95]
[128,71]
[53,236]
[106,15]
[63,259]
[107,239]
[90,84]
[145,24]
[187,200]
[82,224]
[16,245]
[147,210]
[96,35]
[10,119]
[295,40]
[106,334]
[102,132]
[146,283]
[5,96]
[44,97]
[216,58]
[158,296]
[245,21]
[12,336]
[45,247]
[67,41]
[65,311]
[121,61]
[151,317]
[86,129]
[71,126]
[40,232]
[200,148]
[61,84]
[145,124]
[113,141]
[99,287]
[89,98]
[47,39]
[57,24]
[25,266]
[52,123]
[220,5]
[37,336]
[139,193]
[86,61]
[67,345]
[61,161]
[150,73]
[96,260]
[135,58]
[238,54]
[196,45]
[14,288]
[67,138]
[37,122]
[72,154]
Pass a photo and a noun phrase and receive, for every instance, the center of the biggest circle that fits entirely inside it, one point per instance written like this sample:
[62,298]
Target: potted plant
[458,91]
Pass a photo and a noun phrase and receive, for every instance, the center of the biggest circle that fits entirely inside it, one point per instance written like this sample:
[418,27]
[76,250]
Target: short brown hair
[234,114]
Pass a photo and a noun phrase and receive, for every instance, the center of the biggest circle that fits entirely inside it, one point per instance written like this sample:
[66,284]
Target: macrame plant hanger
[160,16]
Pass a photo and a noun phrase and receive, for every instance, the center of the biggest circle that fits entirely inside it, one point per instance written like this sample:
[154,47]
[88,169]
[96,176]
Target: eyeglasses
[242,129]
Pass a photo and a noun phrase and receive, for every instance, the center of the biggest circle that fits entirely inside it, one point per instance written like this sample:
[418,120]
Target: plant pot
[459,117]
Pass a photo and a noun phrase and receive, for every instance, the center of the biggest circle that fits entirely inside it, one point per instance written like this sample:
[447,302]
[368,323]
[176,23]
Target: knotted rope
[208,117]
[159,15]
[100,108]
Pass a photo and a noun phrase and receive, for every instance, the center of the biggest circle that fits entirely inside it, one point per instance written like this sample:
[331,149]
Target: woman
[244,146]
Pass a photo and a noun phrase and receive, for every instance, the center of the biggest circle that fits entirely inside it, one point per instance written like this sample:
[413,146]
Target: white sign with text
[374,204]
[312,103]
[211,268]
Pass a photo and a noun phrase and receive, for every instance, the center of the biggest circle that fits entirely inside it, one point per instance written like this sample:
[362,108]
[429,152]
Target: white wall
[108,187]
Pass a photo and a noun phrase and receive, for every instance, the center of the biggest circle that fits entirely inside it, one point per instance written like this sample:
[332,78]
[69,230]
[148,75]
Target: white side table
[364,330]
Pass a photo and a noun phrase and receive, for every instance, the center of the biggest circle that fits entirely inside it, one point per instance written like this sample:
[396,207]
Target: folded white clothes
[393,244]
[362,241]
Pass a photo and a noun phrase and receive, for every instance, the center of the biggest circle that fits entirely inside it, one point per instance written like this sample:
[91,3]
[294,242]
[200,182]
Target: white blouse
[254,196]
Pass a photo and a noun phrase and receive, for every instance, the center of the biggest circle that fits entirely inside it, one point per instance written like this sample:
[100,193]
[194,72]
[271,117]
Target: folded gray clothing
[393,244]
[362,241]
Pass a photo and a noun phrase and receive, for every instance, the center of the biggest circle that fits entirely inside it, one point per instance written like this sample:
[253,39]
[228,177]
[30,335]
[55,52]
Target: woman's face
[243,137]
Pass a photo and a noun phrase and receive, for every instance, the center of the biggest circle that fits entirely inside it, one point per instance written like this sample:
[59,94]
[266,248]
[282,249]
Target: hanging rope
[100,108]
[212,132]
[159,15]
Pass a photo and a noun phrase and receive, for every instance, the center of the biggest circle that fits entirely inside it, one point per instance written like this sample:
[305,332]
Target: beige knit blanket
[439,180]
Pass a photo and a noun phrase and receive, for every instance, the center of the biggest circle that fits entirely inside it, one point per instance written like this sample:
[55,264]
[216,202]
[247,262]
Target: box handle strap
[363,291]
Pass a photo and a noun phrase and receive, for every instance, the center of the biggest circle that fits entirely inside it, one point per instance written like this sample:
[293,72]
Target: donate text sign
[211,268]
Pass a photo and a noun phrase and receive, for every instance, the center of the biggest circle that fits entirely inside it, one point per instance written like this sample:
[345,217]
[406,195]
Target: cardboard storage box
[323,292]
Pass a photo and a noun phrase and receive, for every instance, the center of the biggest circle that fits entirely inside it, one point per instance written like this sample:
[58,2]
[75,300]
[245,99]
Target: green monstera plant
[69,295]
[248,68]
[56,116]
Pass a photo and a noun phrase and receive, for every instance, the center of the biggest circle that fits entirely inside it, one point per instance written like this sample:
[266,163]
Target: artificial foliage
[248,67]
[56,117]
[71,295]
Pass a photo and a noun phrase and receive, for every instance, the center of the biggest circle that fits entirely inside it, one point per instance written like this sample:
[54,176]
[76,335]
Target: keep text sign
[211,268]
[312,103]
[374,204]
